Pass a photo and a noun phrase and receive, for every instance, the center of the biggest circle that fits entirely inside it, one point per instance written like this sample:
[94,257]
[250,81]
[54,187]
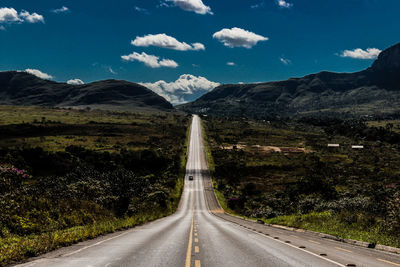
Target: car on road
[190,177]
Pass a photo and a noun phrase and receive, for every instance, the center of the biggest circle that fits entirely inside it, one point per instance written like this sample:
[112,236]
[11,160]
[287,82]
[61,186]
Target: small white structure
[357,147]
[333,145]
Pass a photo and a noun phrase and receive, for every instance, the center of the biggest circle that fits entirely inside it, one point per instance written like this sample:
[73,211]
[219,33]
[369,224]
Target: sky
[182,49]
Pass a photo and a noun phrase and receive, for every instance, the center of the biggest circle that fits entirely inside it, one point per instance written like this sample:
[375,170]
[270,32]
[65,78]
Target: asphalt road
[200,234]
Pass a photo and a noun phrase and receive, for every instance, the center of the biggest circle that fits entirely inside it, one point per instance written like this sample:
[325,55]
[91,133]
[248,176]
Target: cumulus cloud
[39,74]
[284,4]
[10,15]
[285,61]
[237,37]
[186,88]
[370,53]
[231,63]
[62,9]
[75,82]
[196,6]
[165,41]
[150,60]
[31,18]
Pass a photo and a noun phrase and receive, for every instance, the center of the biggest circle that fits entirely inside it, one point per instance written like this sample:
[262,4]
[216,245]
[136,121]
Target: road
[200,234]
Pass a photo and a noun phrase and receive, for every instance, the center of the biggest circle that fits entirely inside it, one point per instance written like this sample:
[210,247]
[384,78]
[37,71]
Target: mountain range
[21,88]
[374,91]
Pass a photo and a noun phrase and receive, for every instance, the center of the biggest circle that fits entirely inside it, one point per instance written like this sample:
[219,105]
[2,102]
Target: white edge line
[309,252]
[95,244]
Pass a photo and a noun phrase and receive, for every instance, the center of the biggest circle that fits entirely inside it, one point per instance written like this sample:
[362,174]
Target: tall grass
[16,248]
[330,223]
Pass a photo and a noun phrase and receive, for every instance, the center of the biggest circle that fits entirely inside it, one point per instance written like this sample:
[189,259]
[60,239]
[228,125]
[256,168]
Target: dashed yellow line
[295,236]
[196,240]
[315,242]
[339,248]
[195,234]
[196,249]
[189,248]
[197,263]
[390,262]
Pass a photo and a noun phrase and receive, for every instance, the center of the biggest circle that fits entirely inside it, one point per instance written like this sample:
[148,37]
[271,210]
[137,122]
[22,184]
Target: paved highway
[200,234]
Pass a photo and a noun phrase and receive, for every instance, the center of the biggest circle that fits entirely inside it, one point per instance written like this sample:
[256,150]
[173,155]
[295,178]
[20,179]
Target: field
[283,172]
[68,175]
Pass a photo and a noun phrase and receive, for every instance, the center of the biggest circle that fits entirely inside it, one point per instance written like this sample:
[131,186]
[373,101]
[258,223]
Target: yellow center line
[196,240]
[339,248]
[294,236]
[189,248]
[393,263]
[197,263]
[312,241]
[196,249]
[195,234]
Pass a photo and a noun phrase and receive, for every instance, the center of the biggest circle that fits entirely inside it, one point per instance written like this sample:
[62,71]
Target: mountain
[21,88]
[374,91]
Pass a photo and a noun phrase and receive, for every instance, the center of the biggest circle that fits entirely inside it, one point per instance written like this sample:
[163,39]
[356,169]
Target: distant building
[357,147]
[333,145]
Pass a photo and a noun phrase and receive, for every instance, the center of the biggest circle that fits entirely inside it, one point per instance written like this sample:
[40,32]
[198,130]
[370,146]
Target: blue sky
[262,40]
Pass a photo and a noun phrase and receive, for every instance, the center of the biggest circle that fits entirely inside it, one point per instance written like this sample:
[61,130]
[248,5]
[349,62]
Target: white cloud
[31,18]
[75,82]
[112,71]
[370,53]
[285,61]
[8,15]
[259,5]
[150,60]
[231,63]
[196,6]
[187,88]
[162,4]
[39,74]
[165,41]
[142,10]
[284,4]
[62,9]
[237,37]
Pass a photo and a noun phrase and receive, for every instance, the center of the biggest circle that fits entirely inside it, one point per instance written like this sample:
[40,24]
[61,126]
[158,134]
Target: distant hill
[374,91]
[21,88]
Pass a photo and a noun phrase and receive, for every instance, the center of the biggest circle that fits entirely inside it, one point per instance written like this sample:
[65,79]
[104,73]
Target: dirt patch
[271,149]
[268,149]
[233,147]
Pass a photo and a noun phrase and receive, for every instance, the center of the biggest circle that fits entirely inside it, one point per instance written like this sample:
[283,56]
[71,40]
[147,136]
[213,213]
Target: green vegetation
[283,173]
[128,169]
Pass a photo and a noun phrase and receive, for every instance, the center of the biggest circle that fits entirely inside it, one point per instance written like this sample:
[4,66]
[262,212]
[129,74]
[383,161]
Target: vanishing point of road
[200,234]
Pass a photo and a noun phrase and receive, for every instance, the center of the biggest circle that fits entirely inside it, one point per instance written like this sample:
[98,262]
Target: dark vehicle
[190,177]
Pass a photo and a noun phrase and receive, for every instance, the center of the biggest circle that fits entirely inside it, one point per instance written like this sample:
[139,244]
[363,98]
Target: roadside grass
[210,160]
[330,223]
[16,248]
